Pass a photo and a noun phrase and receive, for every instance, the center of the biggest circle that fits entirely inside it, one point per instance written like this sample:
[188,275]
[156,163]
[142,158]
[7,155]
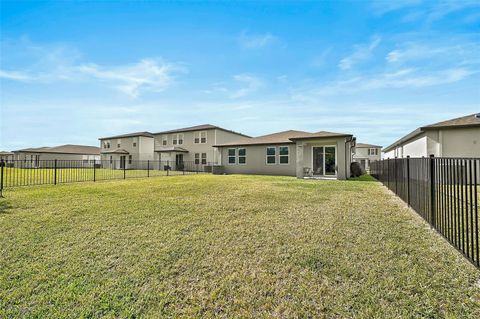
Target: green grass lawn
[225,246]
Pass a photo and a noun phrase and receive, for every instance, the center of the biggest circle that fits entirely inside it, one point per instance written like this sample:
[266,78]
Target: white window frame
[197,158]
[202,158]
[374,153]
[174,139]
[266,155]
[180,138]
[336,158]
[201,134]
[234,156]
[280,155]
[164,140]
[196,135]
[238,155]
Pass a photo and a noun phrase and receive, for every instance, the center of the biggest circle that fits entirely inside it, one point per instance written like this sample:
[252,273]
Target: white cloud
[16,75]
[251,83]
[53,63]
[360,53]
[256,41]
[146,75]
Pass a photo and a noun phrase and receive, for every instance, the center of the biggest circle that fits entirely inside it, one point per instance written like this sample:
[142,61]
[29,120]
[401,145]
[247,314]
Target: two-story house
[366,153]
[127,150]
[192,145]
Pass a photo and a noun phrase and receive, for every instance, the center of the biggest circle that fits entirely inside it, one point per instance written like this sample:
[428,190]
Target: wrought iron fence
[444,191]
[38,172]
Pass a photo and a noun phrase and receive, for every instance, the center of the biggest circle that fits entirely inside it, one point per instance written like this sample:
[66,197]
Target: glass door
[324,160]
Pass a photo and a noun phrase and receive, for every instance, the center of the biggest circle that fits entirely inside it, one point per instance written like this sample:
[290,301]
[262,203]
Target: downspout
[347,140]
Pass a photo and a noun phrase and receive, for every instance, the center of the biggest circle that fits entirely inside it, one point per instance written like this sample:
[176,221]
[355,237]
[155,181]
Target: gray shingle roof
[198,128]
[364,145]
[285,137]
[146,134]
[116,151]
[64,149]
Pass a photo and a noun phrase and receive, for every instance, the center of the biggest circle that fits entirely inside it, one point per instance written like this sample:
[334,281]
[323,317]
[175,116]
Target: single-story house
[366,153]
[45,156]
[458,137]
[291,153]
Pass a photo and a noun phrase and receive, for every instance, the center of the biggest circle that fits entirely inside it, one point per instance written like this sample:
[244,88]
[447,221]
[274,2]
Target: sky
[71,72]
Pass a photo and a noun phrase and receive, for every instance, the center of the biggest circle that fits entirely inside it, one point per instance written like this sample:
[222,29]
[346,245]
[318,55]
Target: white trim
[336,159]
[206,137]
[288,155]
[266,155]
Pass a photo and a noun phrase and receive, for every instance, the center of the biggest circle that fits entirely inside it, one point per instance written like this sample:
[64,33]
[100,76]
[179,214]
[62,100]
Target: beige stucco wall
[463,142]
[25,159]
[141,152]
[214,136]
[257,162]
[457,142]
[300,156]
[361,154]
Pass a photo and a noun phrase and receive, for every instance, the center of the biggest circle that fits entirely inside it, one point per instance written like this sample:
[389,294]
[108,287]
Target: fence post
[395,174]
[94,170]
[148,168]
[408,180]
[388,173]
[168,167]
[55,172]
[124,167]
[432,191]
[2,164]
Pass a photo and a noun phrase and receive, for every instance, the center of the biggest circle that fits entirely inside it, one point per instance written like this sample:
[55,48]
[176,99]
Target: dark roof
[116,151]
[146,134]
[285,137]
[172,149]
[364,145]
[64,149]
[471,120]
[198,128]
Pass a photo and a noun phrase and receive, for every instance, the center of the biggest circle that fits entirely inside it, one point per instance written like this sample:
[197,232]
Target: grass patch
[364,178]
[225,246]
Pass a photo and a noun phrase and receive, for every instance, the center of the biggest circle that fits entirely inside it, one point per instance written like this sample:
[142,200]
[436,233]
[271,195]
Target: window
[373,151]
[119,141]
[175,139]
[197,158]
[129,159]
[108,144]
[180,138]
[164,140]
[134,144]
[271,155]
[231,155]
[196,137]
[242,156]
[283,152]
[204,158]
[118,145]
[111,159]
[203,137]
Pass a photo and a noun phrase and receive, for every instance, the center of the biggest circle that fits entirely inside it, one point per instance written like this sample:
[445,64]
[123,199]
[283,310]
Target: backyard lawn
[225,246]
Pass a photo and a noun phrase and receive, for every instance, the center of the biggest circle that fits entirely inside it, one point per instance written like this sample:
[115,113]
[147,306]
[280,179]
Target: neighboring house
[6,157]
[192,144]
[44,156]
[126,150]
[459,137]
[290,153]
[366,153]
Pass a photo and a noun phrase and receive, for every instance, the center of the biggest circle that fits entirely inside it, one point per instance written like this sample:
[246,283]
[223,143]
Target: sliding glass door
[324,160]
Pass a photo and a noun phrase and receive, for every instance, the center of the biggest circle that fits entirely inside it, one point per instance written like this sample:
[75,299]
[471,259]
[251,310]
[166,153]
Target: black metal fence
[444,191]
[39,172]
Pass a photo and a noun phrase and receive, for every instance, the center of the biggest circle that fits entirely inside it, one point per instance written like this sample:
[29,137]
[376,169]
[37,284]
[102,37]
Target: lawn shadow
[363,178]
[4,206]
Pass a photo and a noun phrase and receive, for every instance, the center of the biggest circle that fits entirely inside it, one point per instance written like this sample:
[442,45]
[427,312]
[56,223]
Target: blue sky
[71,72]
